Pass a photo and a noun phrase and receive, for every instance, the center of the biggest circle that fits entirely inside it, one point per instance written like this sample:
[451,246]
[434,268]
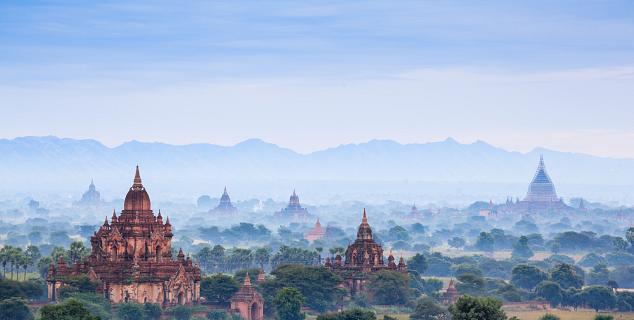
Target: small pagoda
[247,302]
[225,205]
[316,233]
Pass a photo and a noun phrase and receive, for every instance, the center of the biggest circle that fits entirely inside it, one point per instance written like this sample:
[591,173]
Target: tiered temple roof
[316,233]
[363,258]
[541,188]
[225,204]
[91,196]
[294,209]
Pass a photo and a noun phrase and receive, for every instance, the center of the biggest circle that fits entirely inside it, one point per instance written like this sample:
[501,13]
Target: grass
[535,315]
[568,315]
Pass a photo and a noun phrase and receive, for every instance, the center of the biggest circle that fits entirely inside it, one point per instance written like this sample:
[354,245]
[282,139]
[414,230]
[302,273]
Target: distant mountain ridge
[26,161]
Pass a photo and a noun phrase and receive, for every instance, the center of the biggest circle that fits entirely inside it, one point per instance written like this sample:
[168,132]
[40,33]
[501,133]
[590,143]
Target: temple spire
[247,280]
[137,178]
[365,218]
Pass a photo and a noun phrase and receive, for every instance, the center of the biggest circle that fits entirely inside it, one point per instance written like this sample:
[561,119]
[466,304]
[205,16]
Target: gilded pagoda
[131,258]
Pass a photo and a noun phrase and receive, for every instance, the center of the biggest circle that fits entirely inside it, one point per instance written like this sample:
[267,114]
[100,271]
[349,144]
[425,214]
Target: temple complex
[294,209]
[316,233]
[91,196]
[363,258]
[248,302]
[225,204]
[131,258]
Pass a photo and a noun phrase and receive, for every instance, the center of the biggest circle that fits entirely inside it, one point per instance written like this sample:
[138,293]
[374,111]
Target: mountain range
[50,163]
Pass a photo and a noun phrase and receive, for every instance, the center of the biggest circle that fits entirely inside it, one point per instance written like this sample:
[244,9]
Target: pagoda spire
[247,280]
[365,217]
[137,178]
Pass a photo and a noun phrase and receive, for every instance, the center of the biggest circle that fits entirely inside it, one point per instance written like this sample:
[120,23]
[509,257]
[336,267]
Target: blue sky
[313,74]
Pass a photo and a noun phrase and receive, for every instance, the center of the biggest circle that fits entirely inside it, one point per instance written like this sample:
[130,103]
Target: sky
[309,75]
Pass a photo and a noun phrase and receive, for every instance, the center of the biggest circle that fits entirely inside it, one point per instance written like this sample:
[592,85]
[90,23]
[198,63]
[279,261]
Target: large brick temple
[363,258]
[131,258]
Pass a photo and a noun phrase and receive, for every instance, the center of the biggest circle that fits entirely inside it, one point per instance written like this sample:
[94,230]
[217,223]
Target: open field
[534,315]
[568,315]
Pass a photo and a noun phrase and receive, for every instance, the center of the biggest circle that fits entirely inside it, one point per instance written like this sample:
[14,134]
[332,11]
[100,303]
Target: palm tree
[4,259]
[24,262]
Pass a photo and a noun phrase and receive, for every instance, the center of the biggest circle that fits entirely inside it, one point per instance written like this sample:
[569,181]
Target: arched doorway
[255,315]
[181,297]
[158,253]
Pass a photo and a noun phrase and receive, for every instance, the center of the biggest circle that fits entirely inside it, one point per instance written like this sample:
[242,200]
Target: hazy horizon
[312,75]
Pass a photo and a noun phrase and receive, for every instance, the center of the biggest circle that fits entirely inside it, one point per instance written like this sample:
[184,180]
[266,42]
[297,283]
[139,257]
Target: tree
[217,315]
[151,311]
[4,259]
[351,314]
[218,288]
[549,316]
[485,242]
[318,285]
[472,308]
[521,249]
[427,309]
[599,297]
[262,256]
[470,284]
[130,311]
[619,244]
[527,277]
[71,309]
[15,309]
[182,312]
[629,235]
[550,291]
[288,304]
[566,276]
[77,251]
[417,263]
[389,287]
[456,242]
[603,317]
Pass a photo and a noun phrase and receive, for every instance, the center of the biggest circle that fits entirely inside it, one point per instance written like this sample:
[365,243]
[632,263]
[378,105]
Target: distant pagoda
[541,194]
[91,196]
[225,204]
[316,233]
[541,188]
[294,209]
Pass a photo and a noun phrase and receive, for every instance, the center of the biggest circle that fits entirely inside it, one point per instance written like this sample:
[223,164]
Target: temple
[294,209]
[363,258]
[541,194]
[450,296]
[316,233]
[541,188]
[131,258]
[247,302]
[91,196]
[225,204]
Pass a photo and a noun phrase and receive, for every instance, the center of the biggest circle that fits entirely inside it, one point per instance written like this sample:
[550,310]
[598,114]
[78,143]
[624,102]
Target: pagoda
[541,194]
[316,233]
[91,196]
[131,258]
[294,209]
[247,302]
[225,204]
[541,188]
[363,258]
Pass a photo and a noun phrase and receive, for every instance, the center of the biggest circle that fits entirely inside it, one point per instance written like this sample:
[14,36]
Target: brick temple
[131,258]
[363,258]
